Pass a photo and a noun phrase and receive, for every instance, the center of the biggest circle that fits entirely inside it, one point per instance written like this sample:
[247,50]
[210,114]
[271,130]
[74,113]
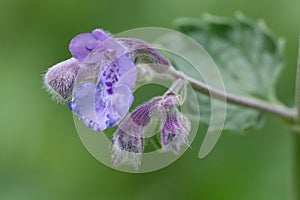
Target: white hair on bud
[59,80]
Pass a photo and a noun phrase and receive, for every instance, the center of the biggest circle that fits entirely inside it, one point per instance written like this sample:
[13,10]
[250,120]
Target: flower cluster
[101,103]
[109,65]
[128,140]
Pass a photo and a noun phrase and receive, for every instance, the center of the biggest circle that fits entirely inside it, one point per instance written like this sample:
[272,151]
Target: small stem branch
[282,111]
[176,86]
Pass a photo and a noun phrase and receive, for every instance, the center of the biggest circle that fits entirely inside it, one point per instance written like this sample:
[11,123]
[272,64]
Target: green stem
[279,110]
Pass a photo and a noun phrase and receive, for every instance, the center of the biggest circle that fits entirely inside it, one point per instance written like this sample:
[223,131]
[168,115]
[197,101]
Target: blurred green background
[41,156]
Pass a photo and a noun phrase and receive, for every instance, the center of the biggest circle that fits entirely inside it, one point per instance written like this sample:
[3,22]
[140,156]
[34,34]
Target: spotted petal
[83,105]
[97,111]
[82,45]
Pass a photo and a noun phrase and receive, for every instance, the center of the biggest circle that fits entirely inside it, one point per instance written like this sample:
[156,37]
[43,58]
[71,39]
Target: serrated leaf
[248,56]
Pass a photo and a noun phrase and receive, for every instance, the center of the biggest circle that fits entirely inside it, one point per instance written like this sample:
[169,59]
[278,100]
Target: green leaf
[248,56]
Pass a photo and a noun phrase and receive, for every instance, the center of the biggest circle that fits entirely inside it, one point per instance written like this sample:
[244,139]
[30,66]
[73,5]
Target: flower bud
[128,143]
[59,80]
[175,126]
[143,52]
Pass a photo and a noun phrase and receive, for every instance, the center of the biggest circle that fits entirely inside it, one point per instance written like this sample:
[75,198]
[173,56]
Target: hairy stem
[282,111]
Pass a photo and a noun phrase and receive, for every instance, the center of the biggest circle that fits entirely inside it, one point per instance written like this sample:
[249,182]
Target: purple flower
[175,126]
[104,104]
[128,143]
[104,100]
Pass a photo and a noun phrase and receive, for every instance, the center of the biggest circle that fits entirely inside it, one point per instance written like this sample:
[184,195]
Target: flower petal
[100,34]
[92,47]
[108,49]
[111,109]
[127,71]
[120,102]
[82,45]
[83,105]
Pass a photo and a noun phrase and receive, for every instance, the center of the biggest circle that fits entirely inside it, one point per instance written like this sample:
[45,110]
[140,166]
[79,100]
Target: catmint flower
[111,97]
[175,126]
[104,101]
[103,104]
[128,143]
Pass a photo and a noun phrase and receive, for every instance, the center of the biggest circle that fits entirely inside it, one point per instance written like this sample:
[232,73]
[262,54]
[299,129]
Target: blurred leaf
[248,56]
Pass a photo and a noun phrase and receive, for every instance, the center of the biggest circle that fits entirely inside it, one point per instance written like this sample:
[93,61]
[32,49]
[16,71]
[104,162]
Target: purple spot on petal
[108,84]
[109,91]
[110,122]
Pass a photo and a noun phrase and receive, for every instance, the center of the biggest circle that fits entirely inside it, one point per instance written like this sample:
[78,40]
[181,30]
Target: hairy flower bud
[143,52]
[175,126]
[128,143]
[59,80]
